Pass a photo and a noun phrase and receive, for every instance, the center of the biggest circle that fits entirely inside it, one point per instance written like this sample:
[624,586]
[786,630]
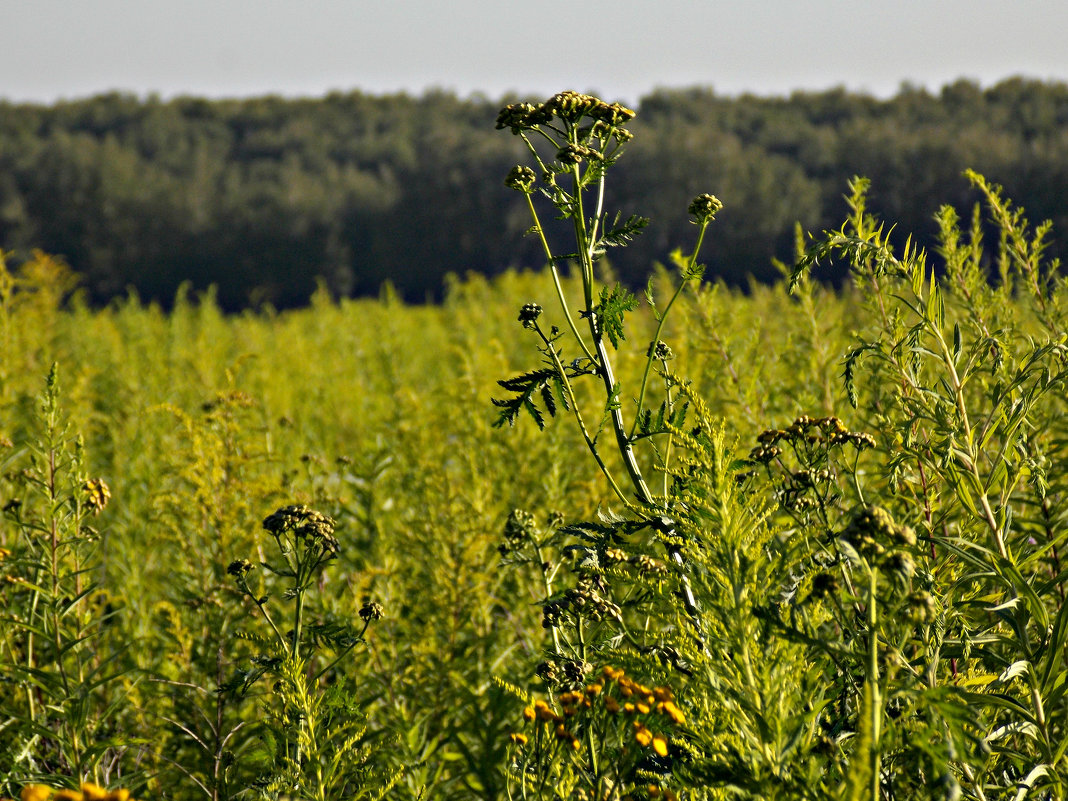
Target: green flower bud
[521,179]
[371,611]
[240,567]
[703,208]
[529,314]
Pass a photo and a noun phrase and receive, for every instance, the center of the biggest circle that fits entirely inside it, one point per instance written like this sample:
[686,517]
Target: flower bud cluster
[704,207]
[660,350]
[588,600]
[529,314]
[872,533]
[371,611]
[305,524]
[240,567]
[569,107]
[575,154]
[826,430]
[521,179]
[523,116]
[648,566]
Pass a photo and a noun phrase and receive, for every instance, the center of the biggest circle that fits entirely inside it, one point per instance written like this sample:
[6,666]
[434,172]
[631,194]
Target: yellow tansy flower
[643,736]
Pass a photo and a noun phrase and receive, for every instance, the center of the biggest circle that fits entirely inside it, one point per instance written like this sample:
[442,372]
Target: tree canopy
[264,196]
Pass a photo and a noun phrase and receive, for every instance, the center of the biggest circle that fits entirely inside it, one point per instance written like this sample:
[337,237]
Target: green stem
[662,319]
[556,280]
[344,653]
[873,684]
[573,402]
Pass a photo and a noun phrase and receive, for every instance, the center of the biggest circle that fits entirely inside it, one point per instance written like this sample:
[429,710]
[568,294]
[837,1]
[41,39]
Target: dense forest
[260,197]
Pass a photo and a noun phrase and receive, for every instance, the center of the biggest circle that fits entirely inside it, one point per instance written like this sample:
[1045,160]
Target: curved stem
[662,319]
[556,280]
[573,401]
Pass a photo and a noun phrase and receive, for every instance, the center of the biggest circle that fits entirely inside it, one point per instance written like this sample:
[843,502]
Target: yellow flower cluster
[87,792]
[633,698]
[97,494]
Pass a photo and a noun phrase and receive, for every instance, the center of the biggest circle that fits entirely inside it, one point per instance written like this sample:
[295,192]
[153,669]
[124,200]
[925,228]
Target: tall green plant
[864,611]
[60,697]
[313,721]
[573,141]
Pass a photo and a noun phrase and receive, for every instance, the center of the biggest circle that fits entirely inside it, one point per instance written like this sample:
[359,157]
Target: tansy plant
[849,615]
[607,738]
[314,724]
[574,139]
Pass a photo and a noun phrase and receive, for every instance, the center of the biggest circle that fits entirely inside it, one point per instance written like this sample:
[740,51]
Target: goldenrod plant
[58,665]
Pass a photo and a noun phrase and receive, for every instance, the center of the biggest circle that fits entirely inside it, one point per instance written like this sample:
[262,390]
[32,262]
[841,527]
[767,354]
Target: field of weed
[791,543]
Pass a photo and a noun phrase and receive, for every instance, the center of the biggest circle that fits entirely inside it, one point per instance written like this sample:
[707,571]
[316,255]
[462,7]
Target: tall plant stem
[551,261]
[663,317]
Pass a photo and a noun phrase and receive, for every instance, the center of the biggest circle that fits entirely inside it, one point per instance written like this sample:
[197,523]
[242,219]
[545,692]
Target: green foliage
[62,672]
[819,534]
[313,721]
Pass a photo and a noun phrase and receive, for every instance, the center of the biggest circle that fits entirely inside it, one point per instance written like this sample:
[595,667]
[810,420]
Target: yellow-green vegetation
[795,543]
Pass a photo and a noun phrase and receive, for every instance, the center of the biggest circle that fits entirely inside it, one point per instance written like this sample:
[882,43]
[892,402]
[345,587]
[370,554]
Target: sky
[65,49]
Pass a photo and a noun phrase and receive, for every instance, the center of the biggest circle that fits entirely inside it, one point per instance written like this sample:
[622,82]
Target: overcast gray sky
[55,49]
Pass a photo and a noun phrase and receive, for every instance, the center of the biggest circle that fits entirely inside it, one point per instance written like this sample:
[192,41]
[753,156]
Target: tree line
[262,197]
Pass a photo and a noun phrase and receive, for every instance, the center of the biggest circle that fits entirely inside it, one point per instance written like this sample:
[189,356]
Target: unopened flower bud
[704,207]
[240,567]
[521,179]
[528,314]
[371,611]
